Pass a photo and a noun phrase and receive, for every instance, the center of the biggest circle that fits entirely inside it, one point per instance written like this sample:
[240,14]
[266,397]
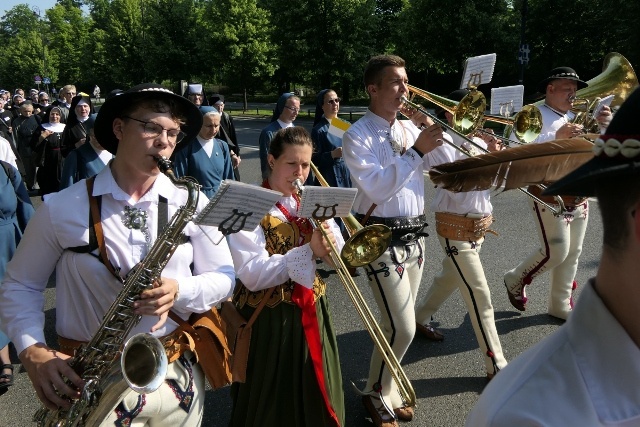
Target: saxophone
[108,367]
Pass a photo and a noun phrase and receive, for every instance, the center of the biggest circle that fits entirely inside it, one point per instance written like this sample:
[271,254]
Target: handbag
[238,334]
[206,332]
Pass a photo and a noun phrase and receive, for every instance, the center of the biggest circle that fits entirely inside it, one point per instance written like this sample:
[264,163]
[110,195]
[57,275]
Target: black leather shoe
[380,417]
[429,332]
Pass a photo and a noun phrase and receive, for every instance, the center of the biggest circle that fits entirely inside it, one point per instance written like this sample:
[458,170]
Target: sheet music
[326,201]
[604,101]
[237,206]
[507,96]
[478,70]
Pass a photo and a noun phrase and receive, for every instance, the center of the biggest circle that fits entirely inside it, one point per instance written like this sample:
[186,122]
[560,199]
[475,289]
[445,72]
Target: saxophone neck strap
[96,234]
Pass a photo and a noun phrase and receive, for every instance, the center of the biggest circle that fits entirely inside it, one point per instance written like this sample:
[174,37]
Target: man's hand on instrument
[47,369]
[158,301]
[417,117]
[569,130]
[493,143]
[604,117]
[429,139]
[336,153]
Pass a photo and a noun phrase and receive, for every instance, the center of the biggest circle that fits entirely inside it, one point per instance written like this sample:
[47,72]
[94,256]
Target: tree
[240,43]
[437,37]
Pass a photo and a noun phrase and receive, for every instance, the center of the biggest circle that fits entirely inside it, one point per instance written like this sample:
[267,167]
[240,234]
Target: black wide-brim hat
[617,153]
[113,107]
[567,73]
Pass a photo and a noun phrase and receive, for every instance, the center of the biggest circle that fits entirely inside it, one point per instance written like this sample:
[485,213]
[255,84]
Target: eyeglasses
[294,109]
[154,130]
[334,101]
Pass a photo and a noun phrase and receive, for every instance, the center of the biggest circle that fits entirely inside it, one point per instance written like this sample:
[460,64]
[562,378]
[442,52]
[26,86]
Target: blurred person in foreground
[587,372]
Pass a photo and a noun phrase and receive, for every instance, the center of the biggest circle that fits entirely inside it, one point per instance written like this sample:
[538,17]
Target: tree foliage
[277,45]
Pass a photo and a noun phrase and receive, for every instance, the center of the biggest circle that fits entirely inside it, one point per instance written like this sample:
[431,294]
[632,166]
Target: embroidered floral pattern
[125,418]
[185,397]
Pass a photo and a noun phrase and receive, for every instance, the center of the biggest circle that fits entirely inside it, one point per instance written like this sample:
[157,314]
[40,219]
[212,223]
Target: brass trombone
[371,250]
[469,117]
[419,108]
[365,244]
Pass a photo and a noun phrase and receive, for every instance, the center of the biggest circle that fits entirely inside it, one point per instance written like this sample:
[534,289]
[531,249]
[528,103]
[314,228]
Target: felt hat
[616,153]
[561,73]
[112,109]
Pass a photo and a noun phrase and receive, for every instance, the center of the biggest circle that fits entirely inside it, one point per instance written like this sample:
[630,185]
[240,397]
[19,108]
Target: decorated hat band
[564,76]
[623,147]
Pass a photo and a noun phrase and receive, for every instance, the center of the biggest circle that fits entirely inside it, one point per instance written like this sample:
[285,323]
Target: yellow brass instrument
[419,108]
[469,117]
[377,245]
[468,114]
[617,78]
[526,124]
[365,244]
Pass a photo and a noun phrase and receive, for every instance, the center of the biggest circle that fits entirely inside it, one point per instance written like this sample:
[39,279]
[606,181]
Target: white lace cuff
[301,265]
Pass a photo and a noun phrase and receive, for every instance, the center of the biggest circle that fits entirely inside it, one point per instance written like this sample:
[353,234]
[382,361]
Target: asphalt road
[448,376]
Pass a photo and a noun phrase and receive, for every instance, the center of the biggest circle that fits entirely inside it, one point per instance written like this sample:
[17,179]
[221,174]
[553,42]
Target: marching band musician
[462,220]
[386,158]
[293,372]
[137,126]
[560,235]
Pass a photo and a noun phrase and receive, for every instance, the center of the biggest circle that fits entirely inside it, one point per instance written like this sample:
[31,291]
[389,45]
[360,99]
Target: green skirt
[281,387]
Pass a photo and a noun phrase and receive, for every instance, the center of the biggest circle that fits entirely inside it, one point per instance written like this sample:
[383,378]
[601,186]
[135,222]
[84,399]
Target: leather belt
[173,345]
[567,200]
[404,229]
[396,222]
[459,227]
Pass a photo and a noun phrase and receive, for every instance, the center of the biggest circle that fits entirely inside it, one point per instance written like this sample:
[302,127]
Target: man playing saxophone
[134,203]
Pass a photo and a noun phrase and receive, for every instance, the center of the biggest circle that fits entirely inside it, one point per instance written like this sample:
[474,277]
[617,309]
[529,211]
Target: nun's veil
[282,101]
[319,103]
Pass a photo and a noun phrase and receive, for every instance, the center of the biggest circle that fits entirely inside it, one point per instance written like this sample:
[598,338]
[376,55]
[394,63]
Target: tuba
[617,78]
[108,367]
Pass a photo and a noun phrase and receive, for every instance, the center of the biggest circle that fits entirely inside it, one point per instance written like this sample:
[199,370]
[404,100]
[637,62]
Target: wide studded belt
[404,229]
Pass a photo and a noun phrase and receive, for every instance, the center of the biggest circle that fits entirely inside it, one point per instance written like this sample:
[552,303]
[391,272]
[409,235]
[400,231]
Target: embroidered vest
[281,237]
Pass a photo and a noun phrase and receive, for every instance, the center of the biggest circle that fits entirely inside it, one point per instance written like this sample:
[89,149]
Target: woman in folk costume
[293,372]
[46,143]
[75,132]
[206,158]
[286,111]
[328,148]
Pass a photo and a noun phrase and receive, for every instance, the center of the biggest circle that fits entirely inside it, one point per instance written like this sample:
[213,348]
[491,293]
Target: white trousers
[394,279]
[178,402]
[462,269]
[561,240]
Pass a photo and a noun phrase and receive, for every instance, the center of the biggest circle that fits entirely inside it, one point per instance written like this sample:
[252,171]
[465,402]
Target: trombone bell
[365,245]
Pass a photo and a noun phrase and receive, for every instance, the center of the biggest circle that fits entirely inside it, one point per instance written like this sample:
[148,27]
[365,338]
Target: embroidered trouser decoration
[561,239]
[185,397]
[125,417]
[462,269]
[395,295]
